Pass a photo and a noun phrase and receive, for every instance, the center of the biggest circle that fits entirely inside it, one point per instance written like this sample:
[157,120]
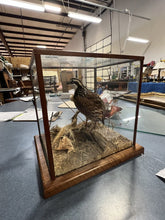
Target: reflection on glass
[38,108]
[113,78]
[115,81]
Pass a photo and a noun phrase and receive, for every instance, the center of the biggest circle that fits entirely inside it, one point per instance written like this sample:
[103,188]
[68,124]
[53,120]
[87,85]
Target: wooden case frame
[51,183]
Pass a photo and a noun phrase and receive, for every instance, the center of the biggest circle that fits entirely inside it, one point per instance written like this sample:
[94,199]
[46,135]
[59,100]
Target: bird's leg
[75,115]
[74,119]
[86,122]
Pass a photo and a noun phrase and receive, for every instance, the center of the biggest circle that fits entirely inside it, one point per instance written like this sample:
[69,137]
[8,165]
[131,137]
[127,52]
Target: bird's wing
[94,99]
[88,103]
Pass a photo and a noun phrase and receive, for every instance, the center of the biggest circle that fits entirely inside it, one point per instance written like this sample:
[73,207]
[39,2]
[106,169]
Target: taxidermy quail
[87,102]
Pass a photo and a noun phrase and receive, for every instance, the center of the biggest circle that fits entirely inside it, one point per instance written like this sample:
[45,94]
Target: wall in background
[94,33]
[152,30]
[76,44]
[17,61]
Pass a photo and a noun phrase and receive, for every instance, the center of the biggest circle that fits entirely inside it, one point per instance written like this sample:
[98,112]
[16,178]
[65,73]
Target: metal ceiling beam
[18,56]
[34,34]
[17,50]
[100,13]
[126,11]
[40,20]
[5,43]
[12,47]
[75,5]
[35,28]
[4,49]
[36,40]
[22,43]
[22,52]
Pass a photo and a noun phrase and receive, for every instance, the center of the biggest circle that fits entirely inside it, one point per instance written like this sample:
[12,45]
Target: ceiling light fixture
[139,40]
[41,46]
[51,8]
[22,4]
[84,17]
[112,9]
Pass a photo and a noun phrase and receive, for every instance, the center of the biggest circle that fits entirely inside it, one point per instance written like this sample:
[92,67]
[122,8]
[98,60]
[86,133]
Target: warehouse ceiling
[21,30]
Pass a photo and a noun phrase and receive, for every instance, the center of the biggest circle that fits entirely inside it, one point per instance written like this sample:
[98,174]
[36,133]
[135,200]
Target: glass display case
[71,148]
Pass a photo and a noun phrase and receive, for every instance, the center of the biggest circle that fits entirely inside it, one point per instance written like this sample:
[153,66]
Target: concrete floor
[129,191]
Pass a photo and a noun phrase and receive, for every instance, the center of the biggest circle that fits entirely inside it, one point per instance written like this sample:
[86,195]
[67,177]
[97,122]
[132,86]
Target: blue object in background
[133,86]
[147,87]
[99,91]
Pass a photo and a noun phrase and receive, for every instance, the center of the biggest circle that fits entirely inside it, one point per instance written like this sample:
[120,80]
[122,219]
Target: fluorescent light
[22,4]
[51,8]
[84,17]
[139,40]
[41,46]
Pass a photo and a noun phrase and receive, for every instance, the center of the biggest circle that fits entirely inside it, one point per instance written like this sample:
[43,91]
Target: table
[147,87]
[7,89]
[128,191]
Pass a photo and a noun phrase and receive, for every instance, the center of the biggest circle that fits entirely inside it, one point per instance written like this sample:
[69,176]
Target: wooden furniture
[10,84]
[53,59]
[5,90]
[50,84]
[116,85]
[19,72]
[26,87]
[65,77]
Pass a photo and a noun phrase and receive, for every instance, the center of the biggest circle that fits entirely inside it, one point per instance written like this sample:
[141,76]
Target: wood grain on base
[52,187]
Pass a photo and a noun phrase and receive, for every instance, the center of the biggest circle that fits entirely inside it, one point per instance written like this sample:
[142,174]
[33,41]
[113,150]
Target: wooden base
[52,187]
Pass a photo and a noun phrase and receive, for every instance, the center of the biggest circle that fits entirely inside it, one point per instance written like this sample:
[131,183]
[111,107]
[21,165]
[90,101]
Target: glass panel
[51,80]
[114,76]
[70,62]
[100,50]
[89,80]
[93,48]
[121,113]
[99,46]
[39,109]
[88,49]
[99,74]
[90,83]
[107,49]
[150,120]
[107,41]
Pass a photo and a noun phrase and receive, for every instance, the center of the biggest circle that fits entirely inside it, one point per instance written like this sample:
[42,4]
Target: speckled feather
[89,103]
